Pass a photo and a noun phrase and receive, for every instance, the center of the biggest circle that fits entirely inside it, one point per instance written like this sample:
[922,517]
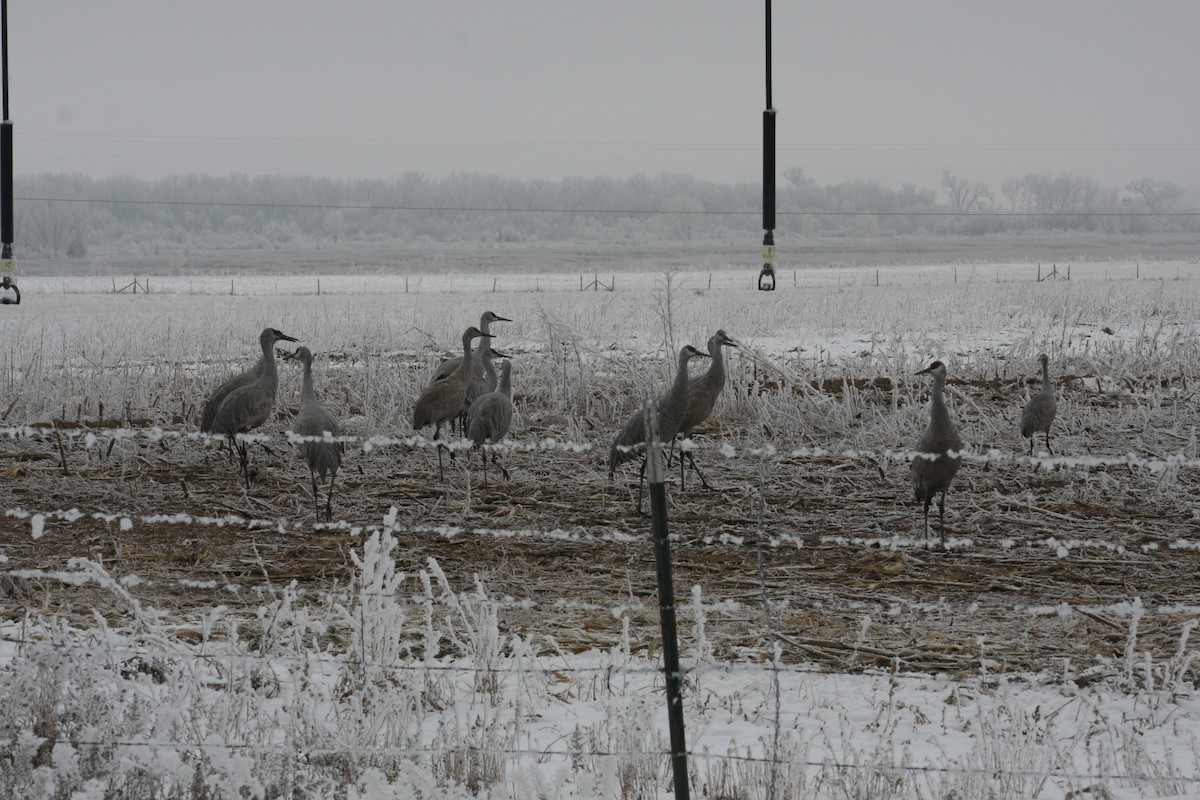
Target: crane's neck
[489,372]
[716,373]
[679,389]
[464,367]
[268,360]
[306,384]
[505,386]
[485,345]
[937,403]
[1046,388]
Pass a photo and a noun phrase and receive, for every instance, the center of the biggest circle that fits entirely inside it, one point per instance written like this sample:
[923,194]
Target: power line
[604,211]
[584,144]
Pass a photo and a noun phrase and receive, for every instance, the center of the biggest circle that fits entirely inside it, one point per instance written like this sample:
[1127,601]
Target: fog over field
[889,577]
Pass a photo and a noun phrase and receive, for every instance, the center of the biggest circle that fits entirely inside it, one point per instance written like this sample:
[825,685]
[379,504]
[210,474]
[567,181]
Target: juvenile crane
[442,401]
[315,420]
[490,417]
[933,475]
[703,391]
[1039,411]
[630,442]
[249,406]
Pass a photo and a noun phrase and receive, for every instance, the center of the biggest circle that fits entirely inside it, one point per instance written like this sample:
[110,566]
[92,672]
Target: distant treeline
[66,214]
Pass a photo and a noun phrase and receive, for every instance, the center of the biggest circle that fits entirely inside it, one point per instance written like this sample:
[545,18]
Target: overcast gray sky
[892,90]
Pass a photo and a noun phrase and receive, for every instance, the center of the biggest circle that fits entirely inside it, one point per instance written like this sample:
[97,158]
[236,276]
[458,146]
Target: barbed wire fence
[151,646]
[699,280]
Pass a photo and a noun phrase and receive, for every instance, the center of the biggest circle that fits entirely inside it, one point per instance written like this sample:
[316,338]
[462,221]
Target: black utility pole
[766,277]
[7,285]
[672,672]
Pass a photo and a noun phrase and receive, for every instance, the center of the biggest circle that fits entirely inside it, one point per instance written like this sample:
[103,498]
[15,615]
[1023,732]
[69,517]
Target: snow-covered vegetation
[164,634]
[75,215]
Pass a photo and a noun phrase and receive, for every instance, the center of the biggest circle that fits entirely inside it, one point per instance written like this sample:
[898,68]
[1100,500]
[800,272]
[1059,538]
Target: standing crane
[249,406]
[703,391]
[442,400]
[490,416]
[209,414]
[314,420]
[630,442]
[1038,414]
[933,473]
[478,384]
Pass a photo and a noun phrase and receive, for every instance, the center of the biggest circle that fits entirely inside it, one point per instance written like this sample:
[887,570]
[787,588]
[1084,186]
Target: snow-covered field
[164,633]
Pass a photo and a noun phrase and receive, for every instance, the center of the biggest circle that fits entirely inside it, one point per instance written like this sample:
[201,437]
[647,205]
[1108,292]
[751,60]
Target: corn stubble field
[1076,572]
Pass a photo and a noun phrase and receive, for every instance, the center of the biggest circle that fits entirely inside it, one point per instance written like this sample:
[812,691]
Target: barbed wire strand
[92,438]
[942,606]
[310,752]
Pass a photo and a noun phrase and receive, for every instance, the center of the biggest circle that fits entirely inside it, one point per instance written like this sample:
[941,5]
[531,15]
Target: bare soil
[842,539]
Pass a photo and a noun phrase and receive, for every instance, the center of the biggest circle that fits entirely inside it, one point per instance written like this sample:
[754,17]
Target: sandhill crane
[671,410]
[491,380]
[315,420]
[249,406]
[703,391]
[221,392]
[478,384]
[932,476]
[1039,411]
[490,416]
[442,401]
[447,367]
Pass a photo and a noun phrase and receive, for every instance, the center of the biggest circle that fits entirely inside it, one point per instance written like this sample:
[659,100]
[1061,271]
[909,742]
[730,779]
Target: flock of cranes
[467,390]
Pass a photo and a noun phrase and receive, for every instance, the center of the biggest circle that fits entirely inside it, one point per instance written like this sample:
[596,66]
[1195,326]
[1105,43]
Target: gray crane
[630,442]
[442,401]
[447,367]
[933,475]
[249,406]
[315,420]
[478,384]
[221,392]
[703,391]
[1039,411]
[490,417]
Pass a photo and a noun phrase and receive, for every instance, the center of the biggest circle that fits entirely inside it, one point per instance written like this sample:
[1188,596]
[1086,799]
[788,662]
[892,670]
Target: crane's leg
[692,461]
[1048,441]
[483,458]
[316,495]
[501,466]
[437,432]
[1031,438]
[243,458]
[942,517]
[927,501]
[329,497]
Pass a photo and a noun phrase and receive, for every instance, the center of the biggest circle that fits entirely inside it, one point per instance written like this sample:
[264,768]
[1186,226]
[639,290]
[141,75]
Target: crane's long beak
[286,338]
[502,319]
[497,354]
[922,372]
